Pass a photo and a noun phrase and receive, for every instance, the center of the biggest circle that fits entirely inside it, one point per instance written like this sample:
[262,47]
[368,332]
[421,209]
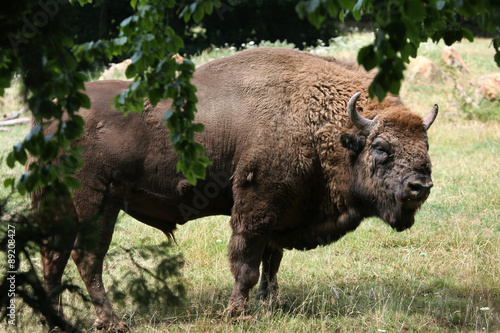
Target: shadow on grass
[401,304]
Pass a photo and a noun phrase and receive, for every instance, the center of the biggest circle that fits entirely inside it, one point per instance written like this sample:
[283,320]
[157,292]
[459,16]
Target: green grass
[11,100]
[441,275]
[7,141]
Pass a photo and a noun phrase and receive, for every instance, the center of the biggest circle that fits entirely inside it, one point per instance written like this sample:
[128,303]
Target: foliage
[48,70]
[47,60]
[242,21]
[21,237]
[158,284]
[48,56]
[402,25]
[161,286]
[151,42]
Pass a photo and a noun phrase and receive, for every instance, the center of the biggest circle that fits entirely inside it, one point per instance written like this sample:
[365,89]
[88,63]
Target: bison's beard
[389,205]
[398,217]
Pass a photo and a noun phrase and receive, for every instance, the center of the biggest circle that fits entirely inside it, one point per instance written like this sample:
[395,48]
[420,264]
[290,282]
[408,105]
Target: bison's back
[261,110]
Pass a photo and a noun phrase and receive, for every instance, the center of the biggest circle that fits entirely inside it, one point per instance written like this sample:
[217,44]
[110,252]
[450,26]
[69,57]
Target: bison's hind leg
[59,222]
[89,261]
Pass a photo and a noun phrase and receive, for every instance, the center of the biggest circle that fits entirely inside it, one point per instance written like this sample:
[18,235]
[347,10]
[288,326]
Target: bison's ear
[352,142]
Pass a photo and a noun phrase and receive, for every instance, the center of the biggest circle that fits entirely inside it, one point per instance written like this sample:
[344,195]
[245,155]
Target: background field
[442,275]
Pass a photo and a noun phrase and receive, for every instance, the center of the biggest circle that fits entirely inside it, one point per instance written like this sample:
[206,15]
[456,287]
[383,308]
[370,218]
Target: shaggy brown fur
[289,166]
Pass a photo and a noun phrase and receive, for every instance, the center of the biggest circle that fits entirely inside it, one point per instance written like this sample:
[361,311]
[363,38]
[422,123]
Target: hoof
[262,295]
[234,310]
[266,294]
[233,315]
[114,325]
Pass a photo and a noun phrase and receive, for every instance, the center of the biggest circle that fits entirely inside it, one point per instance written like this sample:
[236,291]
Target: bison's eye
[382,147]
[381,153]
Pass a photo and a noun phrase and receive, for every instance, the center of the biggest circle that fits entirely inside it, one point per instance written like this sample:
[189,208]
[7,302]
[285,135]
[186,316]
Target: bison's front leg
[271,260]
[249,239]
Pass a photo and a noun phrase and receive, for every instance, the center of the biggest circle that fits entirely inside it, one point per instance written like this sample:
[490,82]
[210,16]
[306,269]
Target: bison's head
[391,165]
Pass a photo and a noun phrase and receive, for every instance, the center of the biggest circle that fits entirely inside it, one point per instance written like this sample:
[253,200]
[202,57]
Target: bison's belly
[165,213]
[313,233]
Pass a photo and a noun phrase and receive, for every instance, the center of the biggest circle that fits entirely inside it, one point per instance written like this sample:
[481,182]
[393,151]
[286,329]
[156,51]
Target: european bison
[300,157]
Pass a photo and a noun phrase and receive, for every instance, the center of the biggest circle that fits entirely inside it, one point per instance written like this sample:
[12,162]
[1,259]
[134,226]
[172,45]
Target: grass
[11,100]
[441,275]
[478,56]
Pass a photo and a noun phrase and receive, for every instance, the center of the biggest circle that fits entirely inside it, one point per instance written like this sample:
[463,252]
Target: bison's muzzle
[417,189]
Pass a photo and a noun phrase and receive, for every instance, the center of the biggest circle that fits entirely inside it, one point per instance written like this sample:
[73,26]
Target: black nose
[419,188]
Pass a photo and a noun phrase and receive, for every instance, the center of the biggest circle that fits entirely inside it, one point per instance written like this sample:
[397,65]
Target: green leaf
[78,119]
[300,8]
[20,153]
[50,151]
[185,14]
[199,171]
[198,127]
[72,182]
[358,6]
[367,57]
[412,31]
[346,4]
[9,182]
[131,71]
[205,160]
[120,41]
[209,8]
[356,13]
[497,58]
[409,50]
[311,5]
[136,57]
[84,101]
[341,15]
[496,43]
[452,36]
[198,15]
[395,87]
[377,88]
[31,181]
[126,21]
[45,176]
[415,10]
[175,138]
[21,188]
[179,43]
[148,37]
[169,113]
[468,34]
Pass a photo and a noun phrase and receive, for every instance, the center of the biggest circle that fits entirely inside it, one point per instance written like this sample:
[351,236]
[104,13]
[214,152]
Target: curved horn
[365,125]
[429,119]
